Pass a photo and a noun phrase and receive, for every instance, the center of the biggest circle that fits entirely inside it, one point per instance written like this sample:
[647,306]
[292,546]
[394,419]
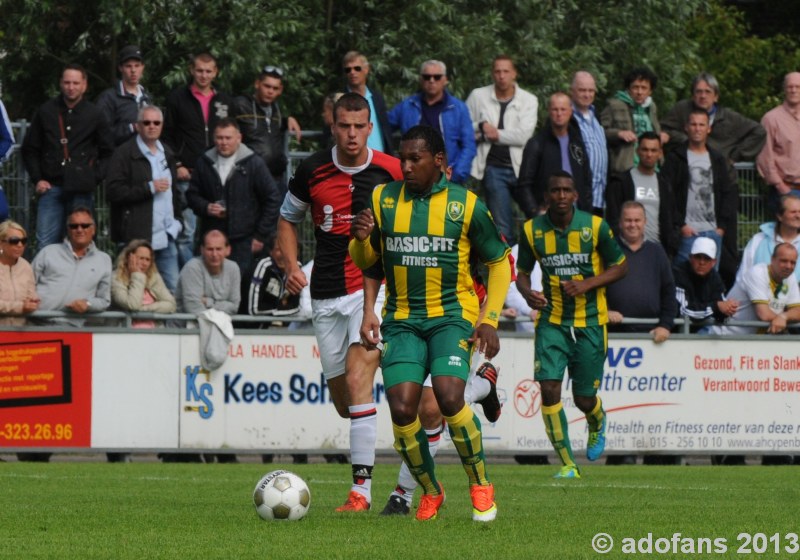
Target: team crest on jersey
[455,210]
[352,187]
[586,234]
[537,366]
[464,345]
[387,203]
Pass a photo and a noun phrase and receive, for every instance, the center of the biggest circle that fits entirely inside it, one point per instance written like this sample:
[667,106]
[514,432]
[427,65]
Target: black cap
[130,52]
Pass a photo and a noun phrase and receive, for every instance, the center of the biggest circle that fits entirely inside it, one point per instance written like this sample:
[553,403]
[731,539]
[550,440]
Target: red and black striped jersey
[335,197]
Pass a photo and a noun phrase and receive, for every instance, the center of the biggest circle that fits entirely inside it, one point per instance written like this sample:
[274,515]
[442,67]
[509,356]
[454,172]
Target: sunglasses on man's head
[434,77]
[269,69]
[82,226]
[16,240]
[348,69]
[151,123]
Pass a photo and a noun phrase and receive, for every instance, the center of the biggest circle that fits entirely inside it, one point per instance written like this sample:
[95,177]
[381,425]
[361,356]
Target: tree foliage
[548,39]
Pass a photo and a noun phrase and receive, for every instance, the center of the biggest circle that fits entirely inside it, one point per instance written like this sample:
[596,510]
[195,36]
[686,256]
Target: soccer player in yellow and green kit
[422,230]
[579,257]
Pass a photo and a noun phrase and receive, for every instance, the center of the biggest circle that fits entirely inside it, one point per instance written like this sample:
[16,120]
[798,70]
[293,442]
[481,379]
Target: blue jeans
[51,215]
[497,185]
[167,265]
[185,241]
[686,246]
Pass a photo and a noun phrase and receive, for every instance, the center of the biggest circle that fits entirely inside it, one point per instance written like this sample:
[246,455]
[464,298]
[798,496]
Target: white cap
[704,246]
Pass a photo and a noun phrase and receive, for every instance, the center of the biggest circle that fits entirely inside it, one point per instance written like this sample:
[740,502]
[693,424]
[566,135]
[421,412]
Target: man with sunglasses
[74,276]
[355,67]
[141,190]
[434,106]
[264,126]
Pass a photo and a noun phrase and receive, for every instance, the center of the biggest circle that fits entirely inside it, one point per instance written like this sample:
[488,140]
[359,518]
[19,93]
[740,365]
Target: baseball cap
[130,52]
[704,246]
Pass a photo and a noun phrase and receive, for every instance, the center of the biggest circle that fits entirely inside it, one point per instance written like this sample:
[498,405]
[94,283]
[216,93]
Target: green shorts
[412,348]
[582,350]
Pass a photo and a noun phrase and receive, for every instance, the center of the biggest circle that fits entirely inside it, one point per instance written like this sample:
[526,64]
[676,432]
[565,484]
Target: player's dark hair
[350,102]
[560,175]
[434,142]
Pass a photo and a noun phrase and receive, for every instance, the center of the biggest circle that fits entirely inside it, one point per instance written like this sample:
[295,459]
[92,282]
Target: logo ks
[198,394]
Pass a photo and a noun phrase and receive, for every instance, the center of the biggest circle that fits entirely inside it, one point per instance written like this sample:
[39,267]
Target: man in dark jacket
[144,202]
[264,126]
[645,184]
[65,153]
[120,104]
[232,191]
[699,288]
[706,200]
[557,147]
[192,112]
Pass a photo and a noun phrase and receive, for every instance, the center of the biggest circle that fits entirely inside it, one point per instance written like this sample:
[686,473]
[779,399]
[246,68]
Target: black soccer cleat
[396,506]
[490,403]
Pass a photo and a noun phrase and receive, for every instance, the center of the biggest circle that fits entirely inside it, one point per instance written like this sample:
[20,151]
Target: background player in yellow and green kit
[579,257]
[422,230]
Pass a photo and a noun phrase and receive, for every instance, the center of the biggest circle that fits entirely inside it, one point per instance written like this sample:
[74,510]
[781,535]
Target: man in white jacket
[503,118]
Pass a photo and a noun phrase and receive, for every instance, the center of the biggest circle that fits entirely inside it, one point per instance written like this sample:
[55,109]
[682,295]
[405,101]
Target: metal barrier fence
[116,319]
[19,191]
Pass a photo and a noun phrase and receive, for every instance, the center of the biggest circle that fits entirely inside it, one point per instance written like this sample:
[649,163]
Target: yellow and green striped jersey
[583,249]
[424,242]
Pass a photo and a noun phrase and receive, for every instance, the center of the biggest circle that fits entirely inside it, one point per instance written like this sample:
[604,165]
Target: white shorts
[337,322]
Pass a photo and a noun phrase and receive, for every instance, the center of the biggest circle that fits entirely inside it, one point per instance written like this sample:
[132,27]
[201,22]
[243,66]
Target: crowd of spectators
[213,162]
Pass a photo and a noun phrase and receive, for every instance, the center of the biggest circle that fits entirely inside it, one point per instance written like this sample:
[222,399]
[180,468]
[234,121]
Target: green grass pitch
[154,510]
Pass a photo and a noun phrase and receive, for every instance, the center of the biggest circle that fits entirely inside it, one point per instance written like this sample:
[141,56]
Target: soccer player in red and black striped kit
[334,185]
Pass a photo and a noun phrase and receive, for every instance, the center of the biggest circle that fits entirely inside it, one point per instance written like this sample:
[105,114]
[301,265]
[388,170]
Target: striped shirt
[594,138]
[583,249]
[425,243]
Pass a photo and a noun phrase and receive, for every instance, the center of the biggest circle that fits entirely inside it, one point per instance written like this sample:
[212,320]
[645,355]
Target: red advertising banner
[45,389]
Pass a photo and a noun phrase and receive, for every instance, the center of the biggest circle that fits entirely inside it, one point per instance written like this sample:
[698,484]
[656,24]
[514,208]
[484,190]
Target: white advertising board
[685,396]
[147,391]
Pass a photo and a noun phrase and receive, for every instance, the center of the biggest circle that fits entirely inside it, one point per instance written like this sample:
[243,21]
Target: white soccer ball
[282,495]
